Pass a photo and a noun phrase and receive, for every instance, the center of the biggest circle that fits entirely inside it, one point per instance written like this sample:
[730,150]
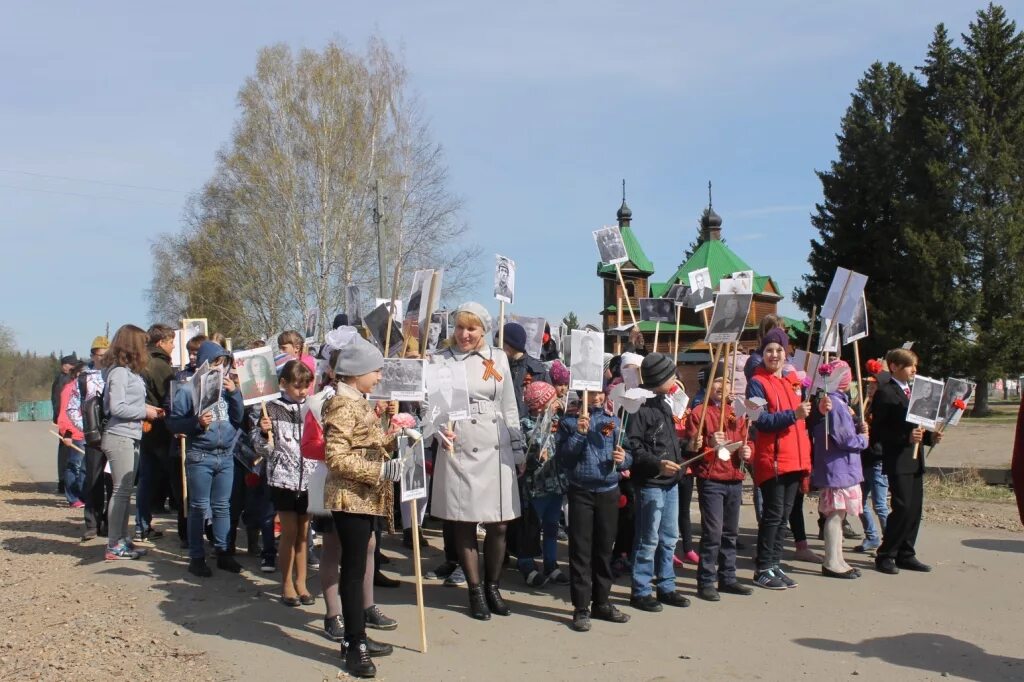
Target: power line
[95,182]
[90,196]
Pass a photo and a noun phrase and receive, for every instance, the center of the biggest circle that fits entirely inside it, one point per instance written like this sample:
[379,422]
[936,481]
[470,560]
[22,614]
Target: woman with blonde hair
[475,475]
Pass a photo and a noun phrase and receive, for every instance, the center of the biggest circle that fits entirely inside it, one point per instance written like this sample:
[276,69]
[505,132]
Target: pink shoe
[676,561]
[691,557]
[77,504]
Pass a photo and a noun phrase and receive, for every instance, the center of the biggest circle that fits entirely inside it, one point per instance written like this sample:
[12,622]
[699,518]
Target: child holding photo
[288,475]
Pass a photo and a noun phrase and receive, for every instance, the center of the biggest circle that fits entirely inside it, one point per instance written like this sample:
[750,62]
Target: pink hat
[538,394]
[841,367]
[559,374]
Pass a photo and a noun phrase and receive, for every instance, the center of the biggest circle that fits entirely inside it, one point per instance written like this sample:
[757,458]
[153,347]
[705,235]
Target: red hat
[538,394]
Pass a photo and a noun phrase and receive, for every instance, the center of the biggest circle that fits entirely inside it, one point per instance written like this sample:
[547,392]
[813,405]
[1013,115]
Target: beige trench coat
[478,480]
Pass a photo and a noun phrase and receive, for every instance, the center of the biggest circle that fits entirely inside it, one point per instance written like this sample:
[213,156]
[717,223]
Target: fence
[37,411]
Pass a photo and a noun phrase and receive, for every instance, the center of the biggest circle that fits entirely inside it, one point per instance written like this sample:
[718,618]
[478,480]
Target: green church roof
[636,254]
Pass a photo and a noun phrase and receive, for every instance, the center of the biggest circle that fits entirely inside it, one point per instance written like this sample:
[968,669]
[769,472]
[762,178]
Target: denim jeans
[210,477]
[657,532]
[549,512]
[74,474]
[875,485]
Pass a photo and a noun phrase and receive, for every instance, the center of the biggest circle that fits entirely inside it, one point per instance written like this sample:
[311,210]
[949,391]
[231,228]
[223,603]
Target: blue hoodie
[220,436]
[587,459]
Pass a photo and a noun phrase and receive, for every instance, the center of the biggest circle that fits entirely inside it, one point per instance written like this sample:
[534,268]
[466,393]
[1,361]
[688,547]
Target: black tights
[494,550]
[354,531]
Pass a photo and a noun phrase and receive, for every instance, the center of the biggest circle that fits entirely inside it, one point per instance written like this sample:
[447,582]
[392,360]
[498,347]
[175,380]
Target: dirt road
[68,615]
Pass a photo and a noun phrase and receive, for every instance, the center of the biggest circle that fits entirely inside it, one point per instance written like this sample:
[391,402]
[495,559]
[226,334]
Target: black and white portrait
[534,327]
[447,393]
[925,399]
[701,294]
[414,470]
[377,322]
[401,379]
[742,282]
[587,369]
[858,327]
[310,325]
[256,376]
[610,245]
[504,279]
[210,385]
[179,348]
[679,293]
[657,310]
[828,336]
[955,389]
[352,307]
[437,331]
[418,292]
[843,295]
[729,318]
[193,328]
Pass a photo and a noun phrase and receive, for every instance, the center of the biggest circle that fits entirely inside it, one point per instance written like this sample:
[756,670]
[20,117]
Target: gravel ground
[60,620]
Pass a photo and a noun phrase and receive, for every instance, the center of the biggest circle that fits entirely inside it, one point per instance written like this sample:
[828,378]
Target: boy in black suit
[897,437]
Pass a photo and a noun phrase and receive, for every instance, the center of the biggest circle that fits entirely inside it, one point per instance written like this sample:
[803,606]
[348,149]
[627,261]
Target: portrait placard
[504,278]
[310,326]
[743,282]
[925,401]
[414,469]
[586,373]
[729,318]
[193,327]
[256,376]
[679,293]
[437,332]
[211,384]
[828,336]
[701,294]
[402,380]
[377,322]
[447,392]
[845,291]
[858,327]
[178,350]
[955,389]
[657,310]
[352,305]
[610,245]
[534,327]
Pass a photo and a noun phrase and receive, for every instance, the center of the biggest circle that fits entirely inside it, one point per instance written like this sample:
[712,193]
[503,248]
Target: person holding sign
[838,441]
[657,456]
[900,441]
[782,456]
[475,473]
[720,477]
[209,461]
[359,487]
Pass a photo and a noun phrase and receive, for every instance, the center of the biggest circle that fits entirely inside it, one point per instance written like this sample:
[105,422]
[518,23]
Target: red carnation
[873,366]
[959,404]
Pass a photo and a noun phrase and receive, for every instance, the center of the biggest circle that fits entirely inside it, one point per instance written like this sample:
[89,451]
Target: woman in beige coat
[475,474]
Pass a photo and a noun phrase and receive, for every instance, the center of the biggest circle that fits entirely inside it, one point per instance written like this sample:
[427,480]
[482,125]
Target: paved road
[960,622]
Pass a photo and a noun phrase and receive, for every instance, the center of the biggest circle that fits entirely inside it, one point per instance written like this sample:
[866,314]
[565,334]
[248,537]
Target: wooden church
[638,280]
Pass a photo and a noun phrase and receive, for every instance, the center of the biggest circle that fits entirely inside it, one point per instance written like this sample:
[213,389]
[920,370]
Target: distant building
[637,275]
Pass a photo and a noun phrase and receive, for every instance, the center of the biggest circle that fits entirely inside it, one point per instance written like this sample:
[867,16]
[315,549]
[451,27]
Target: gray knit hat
[358,357]
[474,308]
[655,369]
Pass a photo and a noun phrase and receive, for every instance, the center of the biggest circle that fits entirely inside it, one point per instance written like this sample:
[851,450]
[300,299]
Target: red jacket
[712,468]
[781,445]
[64,423]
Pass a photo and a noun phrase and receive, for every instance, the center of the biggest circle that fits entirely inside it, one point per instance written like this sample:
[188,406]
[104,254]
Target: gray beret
[358,357]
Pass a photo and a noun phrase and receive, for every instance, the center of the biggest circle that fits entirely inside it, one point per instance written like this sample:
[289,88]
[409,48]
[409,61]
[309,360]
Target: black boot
[478,604]
[357,659]
[494,600]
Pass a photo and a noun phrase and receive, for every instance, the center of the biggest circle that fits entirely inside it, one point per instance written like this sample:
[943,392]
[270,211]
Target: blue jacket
[222,433]
[587,459]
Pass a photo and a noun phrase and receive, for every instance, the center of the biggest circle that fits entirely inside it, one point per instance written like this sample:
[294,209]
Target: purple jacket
[839,465]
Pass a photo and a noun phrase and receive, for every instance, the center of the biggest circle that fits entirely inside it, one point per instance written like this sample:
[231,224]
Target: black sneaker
[708,593]
[581,620]
[768,580]
[786,580]
[199,568]
[648,603]
[377,620]
[609,613]
[268,564]
[673,598]
[374,648]
[735,588]
[226,562]
[334,628]
[848,532]
[357,659]
[442,571]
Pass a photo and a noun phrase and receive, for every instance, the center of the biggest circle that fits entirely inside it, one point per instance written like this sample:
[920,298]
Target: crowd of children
[537,462]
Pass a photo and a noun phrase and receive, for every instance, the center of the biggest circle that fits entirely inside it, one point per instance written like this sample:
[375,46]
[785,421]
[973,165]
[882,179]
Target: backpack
[94,420]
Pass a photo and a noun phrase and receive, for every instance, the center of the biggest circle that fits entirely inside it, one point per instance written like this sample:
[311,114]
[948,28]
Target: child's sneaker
[581,620]
[77,504]
[268,564]
[535,579]
[768,580]
[786,580]
[455,578]
[121,552]
[557,577]
[691,557]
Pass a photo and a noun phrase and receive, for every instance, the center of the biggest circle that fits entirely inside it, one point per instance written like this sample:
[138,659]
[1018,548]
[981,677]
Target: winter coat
[781,445]
[356,445]
[157,376]
[837,464]
[477,480]
[650,438]
[587,458]
[711,467]
[286,467]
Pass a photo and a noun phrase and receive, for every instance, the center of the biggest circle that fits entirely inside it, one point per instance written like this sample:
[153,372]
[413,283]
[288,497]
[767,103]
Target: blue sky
[113,112]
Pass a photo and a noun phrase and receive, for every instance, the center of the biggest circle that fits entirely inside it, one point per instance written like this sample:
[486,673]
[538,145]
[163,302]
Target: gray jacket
[124,401]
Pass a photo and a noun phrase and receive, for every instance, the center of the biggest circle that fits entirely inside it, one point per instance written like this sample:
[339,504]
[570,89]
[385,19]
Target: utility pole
[378,219]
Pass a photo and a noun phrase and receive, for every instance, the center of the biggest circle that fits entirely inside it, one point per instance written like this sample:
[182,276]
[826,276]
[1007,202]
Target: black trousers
[904,521]
[354,534]
[719,525]
[777,495]
[97,490]
[593,525]
[797,524]
[173,467]
[62,464]
[685,525]
[627,524]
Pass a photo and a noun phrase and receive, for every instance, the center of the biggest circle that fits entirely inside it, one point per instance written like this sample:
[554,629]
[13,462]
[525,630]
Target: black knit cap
[706,373]
[655,369]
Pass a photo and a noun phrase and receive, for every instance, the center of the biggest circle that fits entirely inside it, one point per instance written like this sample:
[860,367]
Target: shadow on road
[996,545]
[928,651]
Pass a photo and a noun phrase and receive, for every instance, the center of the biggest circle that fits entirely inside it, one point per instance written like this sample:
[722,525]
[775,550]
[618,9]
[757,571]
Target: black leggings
[354,532]
[685,526]
[494,550]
